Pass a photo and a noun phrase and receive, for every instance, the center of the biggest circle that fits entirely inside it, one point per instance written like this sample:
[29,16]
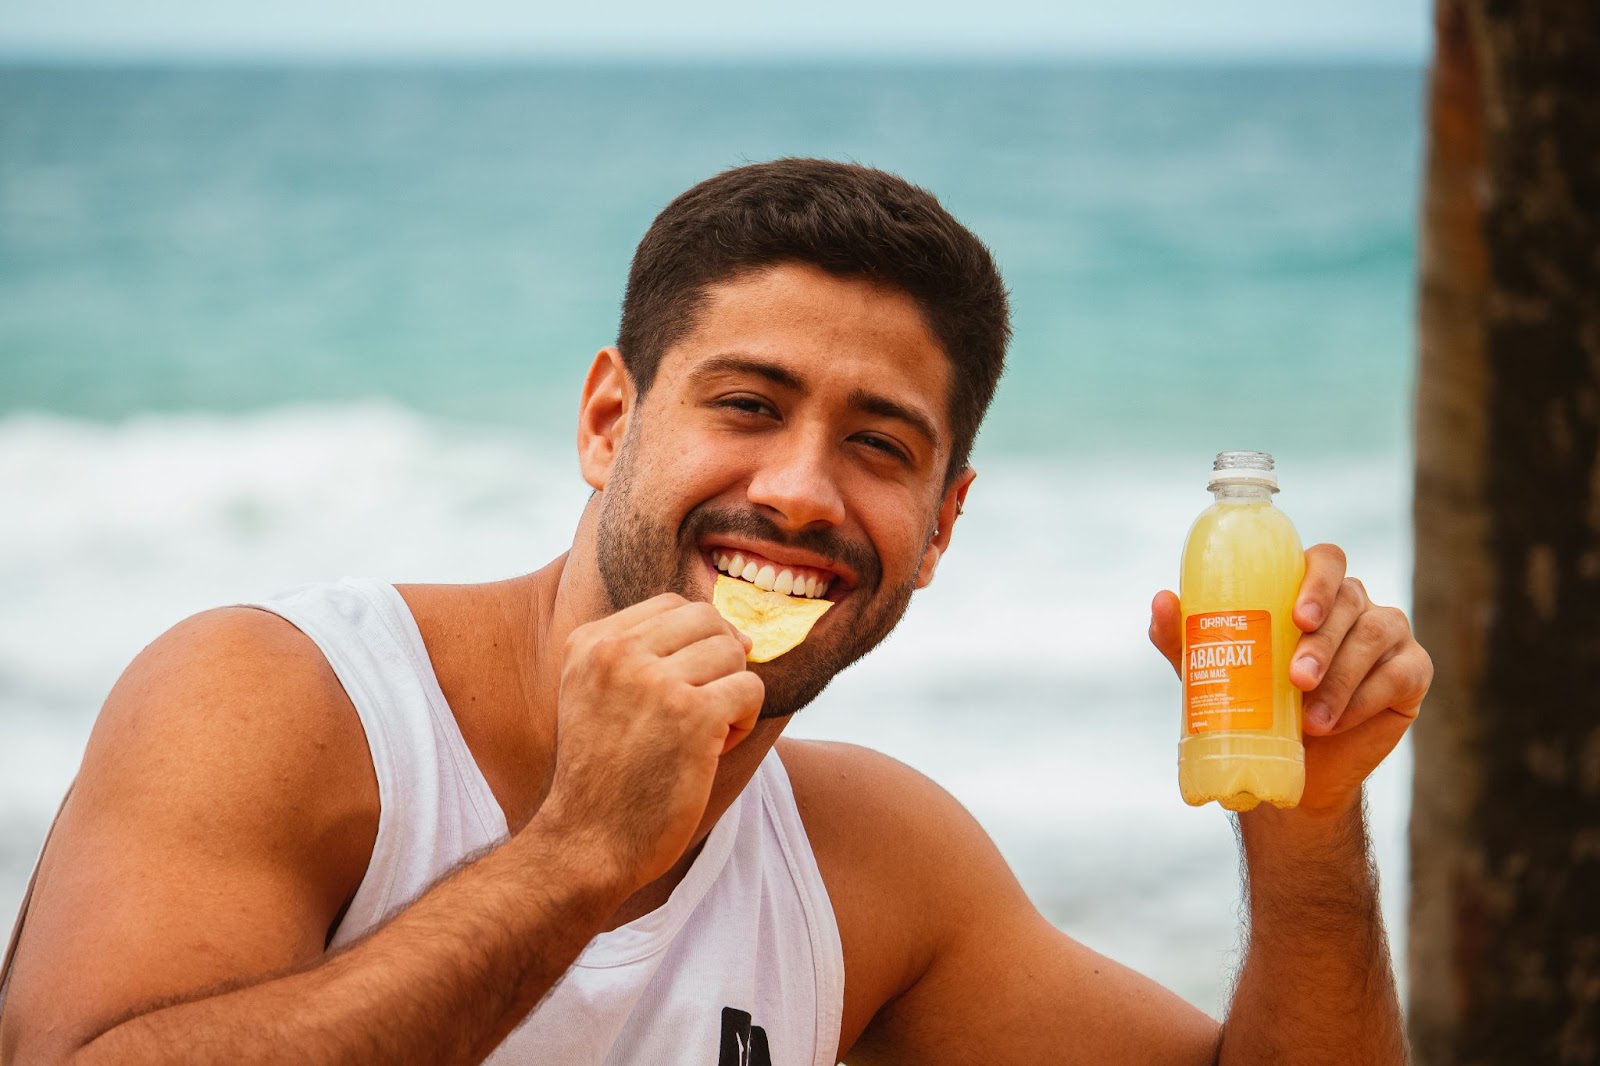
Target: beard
[640,558]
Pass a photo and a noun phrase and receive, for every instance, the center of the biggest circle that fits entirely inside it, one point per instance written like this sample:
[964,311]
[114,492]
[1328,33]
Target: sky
[712,28]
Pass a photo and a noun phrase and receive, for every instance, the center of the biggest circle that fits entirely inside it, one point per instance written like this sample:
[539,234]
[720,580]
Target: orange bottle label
[1227,671]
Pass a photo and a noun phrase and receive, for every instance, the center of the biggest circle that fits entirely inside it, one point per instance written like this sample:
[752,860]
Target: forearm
[444,981]
[1317,985]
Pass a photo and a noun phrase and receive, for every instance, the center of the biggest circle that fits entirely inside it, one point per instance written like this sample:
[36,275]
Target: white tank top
[742,966]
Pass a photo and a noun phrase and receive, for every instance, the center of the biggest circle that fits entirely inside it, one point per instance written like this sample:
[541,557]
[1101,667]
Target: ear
[955,498]
[608,398]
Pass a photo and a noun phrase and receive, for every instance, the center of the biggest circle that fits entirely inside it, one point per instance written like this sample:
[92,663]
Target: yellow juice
[1242,567]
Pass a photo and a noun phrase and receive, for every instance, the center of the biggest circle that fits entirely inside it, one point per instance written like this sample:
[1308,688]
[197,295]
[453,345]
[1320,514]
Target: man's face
[800,426]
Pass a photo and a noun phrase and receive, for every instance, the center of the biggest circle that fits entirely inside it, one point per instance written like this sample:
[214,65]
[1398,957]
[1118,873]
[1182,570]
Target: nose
[794,484]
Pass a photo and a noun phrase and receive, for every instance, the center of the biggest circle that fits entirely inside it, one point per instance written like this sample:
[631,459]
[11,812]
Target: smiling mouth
[802,581]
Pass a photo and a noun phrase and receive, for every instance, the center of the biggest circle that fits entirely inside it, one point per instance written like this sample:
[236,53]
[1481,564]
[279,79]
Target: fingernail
[1318,717]
[1309,666]
[1313,613]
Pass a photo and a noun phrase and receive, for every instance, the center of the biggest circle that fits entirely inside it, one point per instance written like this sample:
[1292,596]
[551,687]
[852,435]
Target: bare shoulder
[223,813]
[891,827]
[904,862]
[230,705]
[852,797]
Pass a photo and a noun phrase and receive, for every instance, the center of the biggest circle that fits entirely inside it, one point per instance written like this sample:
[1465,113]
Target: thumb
[1166,626]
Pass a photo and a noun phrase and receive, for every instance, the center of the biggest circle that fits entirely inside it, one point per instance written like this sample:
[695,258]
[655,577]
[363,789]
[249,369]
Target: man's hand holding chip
[651,698]
[1363,673]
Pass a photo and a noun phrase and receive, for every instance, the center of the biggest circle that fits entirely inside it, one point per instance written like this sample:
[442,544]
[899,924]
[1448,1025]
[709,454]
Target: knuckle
[754,689]
[1337,686]
[702,612]
[603,648]
[1371,630]
[1319,644]
[1334,553]
[678,700]
[1421,669]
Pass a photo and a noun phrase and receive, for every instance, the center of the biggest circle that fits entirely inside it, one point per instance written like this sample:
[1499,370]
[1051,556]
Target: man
[552,815]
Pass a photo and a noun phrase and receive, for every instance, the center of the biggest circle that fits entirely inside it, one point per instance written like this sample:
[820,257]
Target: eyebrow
[874,404]
[871,403]
[744,364]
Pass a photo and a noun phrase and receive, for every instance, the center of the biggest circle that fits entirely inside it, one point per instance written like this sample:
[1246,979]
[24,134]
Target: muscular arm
[947,962]
[224,812]
[218,826]
[443,982]
[991,981]
[1316,985]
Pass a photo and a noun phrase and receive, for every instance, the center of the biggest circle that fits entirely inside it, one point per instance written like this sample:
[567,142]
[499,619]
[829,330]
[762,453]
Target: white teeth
[768,576]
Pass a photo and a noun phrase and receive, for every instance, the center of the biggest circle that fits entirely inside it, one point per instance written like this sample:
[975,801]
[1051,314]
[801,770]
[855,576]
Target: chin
[794,680]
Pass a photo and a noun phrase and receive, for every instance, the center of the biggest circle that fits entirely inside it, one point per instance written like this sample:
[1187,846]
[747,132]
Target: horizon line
[275,57]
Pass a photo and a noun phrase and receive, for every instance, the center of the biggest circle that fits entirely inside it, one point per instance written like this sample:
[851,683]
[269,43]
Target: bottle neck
[1239,491]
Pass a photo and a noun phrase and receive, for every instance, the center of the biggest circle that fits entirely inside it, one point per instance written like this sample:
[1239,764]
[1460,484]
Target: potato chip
[775,623]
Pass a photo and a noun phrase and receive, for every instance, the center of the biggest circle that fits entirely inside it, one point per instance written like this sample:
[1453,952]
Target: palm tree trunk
[1505,838]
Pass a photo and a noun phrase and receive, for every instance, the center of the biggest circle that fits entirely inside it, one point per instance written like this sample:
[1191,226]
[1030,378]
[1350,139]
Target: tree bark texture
[1504,941]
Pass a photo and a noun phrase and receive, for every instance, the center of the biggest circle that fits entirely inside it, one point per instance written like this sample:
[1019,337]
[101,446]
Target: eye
[752,405]
[884,445]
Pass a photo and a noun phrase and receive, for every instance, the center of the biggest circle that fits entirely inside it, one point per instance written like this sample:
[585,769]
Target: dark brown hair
[850,220]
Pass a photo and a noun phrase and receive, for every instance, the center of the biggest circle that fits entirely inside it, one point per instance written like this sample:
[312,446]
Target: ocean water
[260,327]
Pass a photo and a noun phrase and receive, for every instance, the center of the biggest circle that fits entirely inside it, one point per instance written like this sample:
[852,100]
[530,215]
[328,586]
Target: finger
[706,660]
[737,700]
[1397,684]
[1374,635]
[674,630]
[1325,568]
[1166,627]
[1314,652]
[639,612]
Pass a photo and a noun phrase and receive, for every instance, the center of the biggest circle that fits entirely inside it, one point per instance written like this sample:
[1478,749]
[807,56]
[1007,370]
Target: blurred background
[294,291]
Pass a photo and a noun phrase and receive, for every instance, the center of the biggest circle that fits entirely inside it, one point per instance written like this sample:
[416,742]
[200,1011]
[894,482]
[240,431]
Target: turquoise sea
[263,326]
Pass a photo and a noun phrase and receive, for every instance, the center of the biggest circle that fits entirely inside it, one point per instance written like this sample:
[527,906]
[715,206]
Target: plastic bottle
[1242,567]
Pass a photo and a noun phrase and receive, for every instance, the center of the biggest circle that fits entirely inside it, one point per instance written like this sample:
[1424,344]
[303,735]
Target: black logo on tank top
[743,1044]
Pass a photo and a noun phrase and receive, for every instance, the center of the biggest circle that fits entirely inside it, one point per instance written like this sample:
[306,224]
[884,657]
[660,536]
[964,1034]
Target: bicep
[1004,985]
[210,837]
[1023,991]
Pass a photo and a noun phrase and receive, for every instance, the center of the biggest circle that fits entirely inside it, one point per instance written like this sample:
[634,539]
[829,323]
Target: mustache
[705,521]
